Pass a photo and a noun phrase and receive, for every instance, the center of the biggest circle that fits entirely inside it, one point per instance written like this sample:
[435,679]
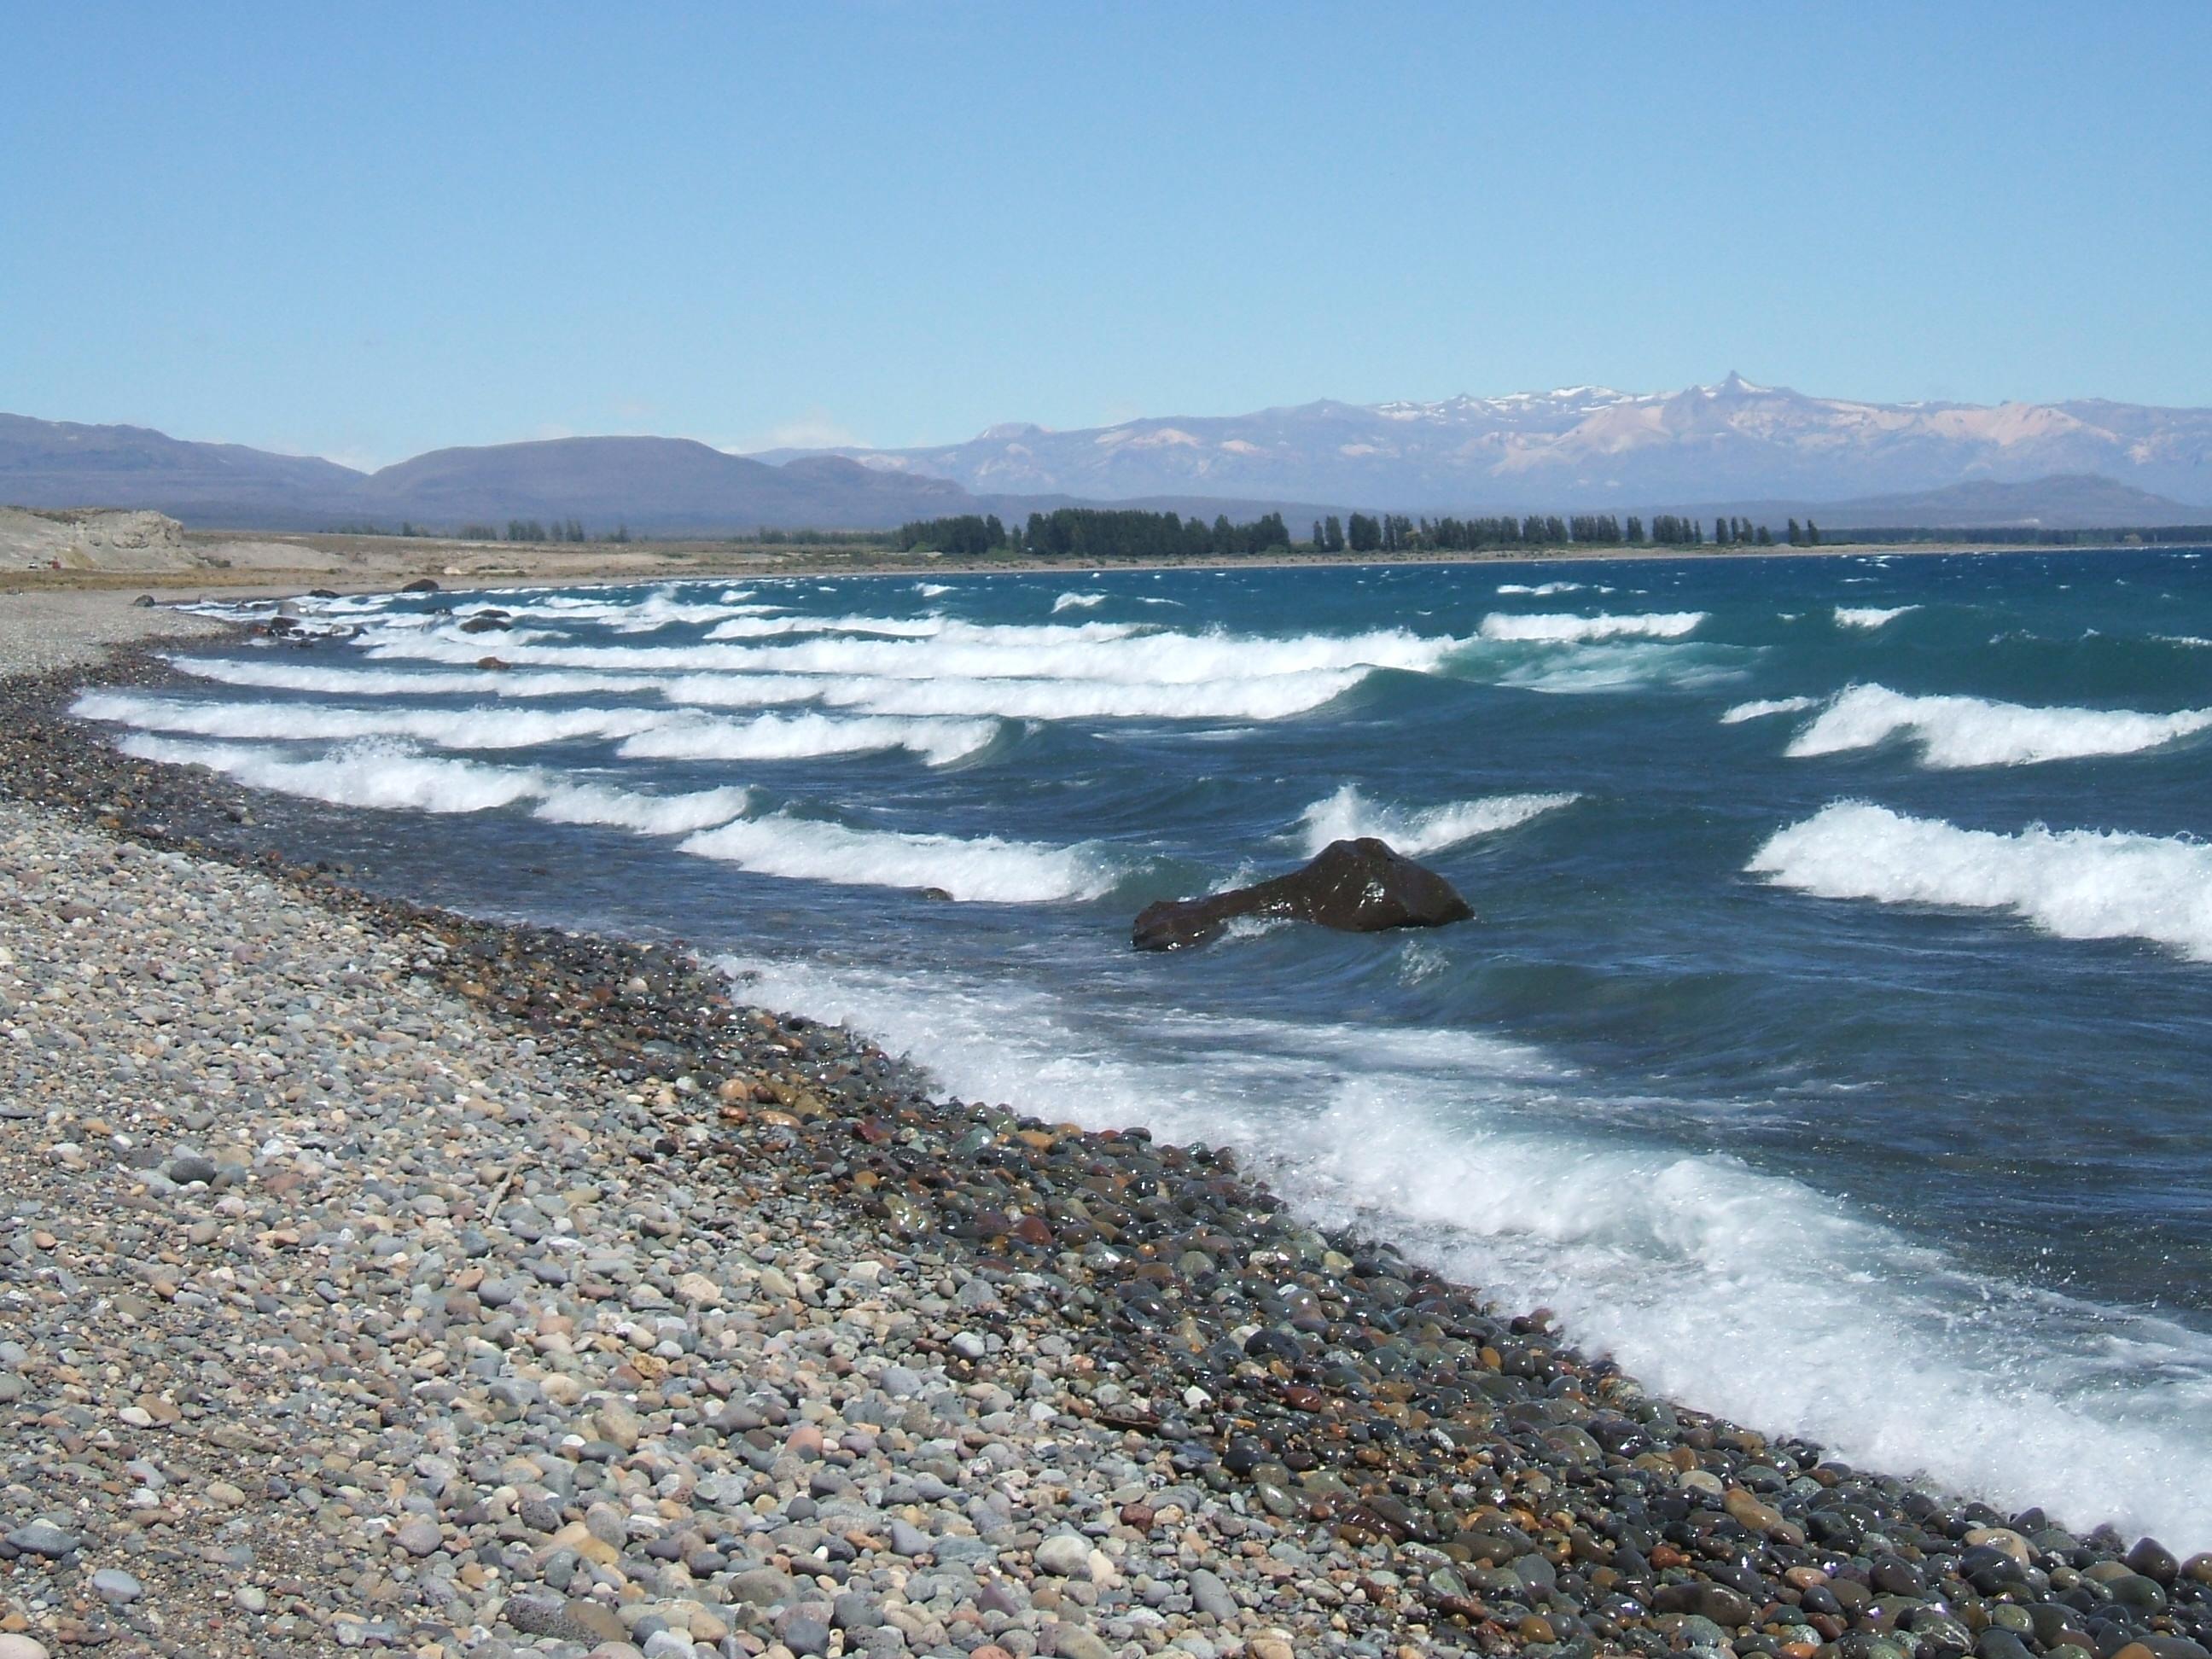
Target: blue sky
[366,231]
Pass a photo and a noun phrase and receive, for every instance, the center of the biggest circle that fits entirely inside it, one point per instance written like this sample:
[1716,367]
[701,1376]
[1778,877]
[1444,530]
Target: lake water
[1831,1045]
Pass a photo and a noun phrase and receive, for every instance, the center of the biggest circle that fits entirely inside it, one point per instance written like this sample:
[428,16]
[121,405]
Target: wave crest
[2076,884]
[1348,814]
[1961,732]
[1567,630]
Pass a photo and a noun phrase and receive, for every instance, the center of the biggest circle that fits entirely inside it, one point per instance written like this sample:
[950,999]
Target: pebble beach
[377,1278]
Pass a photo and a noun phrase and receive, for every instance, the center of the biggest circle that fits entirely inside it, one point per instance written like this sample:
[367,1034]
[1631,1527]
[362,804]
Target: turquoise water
[1830,1045]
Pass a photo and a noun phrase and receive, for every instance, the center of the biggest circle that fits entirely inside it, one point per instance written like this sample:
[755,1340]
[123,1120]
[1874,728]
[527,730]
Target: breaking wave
[797,737]
[2076,884]
[390,776]
[1761,708]
[1563,630]
[1869,617]
[1348,814]
[1959,731]
[985,870]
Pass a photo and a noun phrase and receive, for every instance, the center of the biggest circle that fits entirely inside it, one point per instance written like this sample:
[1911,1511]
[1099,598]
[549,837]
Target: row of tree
[1097,533]
[1394,532]
[968,536]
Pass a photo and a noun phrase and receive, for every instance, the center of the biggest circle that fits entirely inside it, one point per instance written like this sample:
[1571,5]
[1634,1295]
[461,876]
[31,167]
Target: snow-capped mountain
[1583,444]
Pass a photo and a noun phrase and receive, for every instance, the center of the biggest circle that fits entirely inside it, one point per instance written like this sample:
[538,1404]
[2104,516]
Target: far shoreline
[358,565]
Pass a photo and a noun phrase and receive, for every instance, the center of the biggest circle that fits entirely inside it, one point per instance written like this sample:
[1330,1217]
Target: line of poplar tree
[1093,533]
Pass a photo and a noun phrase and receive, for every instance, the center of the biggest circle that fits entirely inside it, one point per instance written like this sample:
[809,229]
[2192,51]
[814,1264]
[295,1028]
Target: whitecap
[1562,629]
[1760,708]
[2076,884]
[442,728]
[379,774]
[1348,814]
[1960,731]
[799,737]
[1871,616]
[982,870]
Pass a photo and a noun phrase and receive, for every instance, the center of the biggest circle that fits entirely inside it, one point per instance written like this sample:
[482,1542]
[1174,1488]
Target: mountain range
[1728,446]
[1586,447]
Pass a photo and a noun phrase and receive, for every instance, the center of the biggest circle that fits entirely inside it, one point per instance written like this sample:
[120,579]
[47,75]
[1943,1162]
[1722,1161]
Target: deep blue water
[1840,1065]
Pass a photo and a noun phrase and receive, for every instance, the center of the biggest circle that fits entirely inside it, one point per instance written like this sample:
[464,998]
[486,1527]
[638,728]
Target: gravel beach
[377,1278]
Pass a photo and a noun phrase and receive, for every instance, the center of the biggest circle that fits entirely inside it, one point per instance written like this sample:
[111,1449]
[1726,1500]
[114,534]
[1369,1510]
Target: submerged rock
[1359,886]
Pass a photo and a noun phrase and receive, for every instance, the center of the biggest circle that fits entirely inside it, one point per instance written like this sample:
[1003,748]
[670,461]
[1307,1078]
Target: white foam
[1546,589]
[1101,651]
[1562,629]
[648,815]
[1870,616]
[2076,884]
[744,628]
[1077,602]
[461,728]
[798,736]
[1738,1292]
[1762,708]
[984,870]
[290,676]
[1266,697]
[382,774]
[1347,815]
[931,590]
[1629,666]
[390,776]
[1957,731]
[1257,697]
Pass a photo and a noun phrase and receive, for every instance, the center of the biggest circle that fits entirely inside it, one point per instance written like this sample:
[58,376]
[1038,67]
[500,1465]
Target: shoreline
[1444,1475]
[377,570]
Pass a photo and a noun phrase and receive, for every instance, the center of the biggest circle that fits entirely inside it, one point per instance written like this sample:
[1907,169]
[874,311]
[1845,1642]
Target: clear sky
[364,231]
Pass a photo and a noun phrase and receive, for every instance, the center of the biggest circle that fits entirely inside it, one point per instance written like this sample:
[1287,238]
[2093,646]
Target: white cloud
[815,430]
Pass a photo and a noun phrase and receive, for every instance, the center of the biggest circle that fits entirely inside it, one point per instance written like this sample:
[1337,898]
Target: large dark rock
[1356,886]
[420,585]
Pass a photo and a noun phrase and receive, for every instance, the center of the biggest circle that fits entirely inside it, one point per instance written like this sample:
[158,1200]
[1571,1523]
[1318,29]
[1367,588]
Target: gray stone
[804,1633]
[113,1584]
[900,1383]
[44,1538]
[763,1587]
[1210,1595]
[1065,1555]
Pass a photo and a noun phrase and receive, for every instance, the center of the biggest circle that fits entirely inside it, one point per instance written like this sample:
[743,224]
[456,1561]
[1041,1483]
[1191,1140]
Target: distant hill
[2076,502]
[1707,450]
[61,464]
[1585,447]
[656,486]
[653,486]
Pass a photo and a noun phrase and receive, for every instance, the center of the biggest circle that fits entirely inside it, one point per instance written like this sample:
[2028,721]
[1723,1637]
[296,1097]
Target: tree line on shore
[1100,533]
[1086,533]
[1095,533]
